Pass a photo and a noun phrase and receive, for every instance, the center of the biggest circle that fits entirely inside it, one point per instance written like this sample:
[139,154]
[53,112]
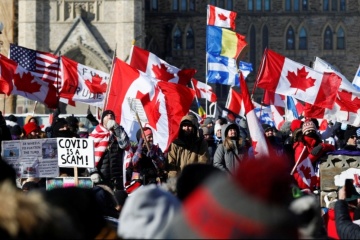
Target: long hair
[230,145]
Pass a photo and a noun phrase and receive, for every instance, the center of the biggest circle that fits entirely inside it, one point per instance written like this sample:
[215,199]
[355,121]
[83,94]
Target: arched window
[334,5]
[328,39]
[267,5]
[177,38]
[265,38]
[213,2]
[290,39]
[192,5]
[229,5]
[326,5]
[288,5]
[305,5]
[175,5]
[221,3]
[342,5]
[250,5]
[190,38]
[183,6]
[302,39]
[340,39]
[258,5]
[296,6]
[151,5]
[253,46]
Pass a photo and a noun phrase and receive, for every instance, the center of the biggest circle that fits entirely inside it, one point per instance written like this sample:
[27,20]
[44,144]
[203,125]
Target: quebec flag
[222,70]
[246,68]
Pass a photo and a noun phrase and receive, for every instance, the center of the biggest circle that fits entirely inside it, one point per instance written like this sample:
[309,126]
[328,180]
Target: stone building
[89,31]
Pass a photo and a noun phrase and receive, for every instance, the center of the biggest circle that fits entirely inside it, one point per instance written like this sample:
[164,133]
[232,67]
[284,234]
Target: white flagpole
[206,60]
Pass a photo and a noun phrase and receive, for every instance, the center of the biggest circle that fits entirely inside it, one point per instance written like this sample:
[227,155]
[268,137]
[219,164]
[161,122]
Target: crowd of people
[207,184]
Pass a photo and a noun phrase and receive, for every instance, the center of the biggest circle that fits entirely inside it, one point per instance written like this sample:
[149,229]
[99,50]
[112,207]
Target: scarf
[101,137]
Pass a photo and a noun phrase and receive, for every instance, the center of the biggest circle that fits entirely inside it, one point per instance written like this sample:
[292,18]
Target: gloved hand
[111,124]
[140,145]
[151,154]
[316,150]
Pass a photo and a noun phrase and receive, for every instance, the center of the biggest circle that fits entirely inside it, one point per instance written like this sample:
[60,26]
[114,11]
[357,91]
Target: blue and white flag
[356,81]
[246,68]
[291,110]
[222,70]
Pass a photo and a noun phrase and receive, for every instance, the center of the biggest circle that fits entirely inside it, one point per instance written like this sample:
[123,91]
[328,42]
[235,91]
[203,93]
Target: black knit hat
[350,131]
[106,112]
[12,118]
[59,123]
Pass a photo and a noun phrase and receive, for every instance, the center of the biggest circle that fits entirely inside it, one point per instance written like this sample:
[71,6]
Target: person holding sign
[110,141]
[147,162]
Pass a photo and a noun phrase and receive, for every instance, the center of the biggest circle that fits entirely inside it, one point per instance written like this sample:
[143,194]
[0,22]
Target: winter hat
[248,206]
[147,213]
[207,121]
[266,127]
[30,127]
[146,130]
[73,121]
[15,130]
[350,131]
[106,112]
[59,123]
[295,124]
[12,118]
[217,127]
[308,126]
[226,127]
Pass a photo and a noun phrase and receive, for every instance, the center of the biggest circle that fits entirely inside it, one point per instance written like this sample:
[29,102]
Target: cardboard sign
[75,152]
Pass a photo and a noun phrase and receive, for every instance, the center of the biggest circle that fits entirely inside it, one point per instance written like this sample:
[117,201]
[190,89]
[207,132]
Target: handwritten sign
[75,152]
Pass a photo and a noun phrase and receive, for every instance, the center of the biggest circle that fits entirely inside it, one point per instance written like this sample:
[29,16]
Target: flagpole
[110,78]
[196,98]
[206,60]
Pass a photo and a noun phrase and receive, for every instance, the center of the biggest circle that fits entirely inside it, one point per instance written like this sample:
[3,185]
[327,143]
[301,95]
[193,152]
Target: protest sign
[75,152]
[32,157]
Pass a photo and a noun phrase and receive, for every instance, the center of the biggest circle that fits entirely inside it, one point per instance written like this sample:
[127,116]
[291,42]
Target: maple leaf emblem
[25,83]
[161,72]
[151,107]
[95,85]
[346,103]
[300,81]
[254,143]
[222,17]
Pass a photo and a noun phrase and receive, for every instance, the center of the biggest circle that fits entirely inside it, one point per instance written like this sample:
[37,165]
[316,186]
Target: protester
[345,227]
[209,137]
[187,148]
[11,121]
[83,132]
[230,153]
[147,163]
[73,124]
[273,141]
[350,138]
[147,213]
[31,131]
[310,146]
[110,140]
[5,134]
[253,203]
[217,133]
[16,132]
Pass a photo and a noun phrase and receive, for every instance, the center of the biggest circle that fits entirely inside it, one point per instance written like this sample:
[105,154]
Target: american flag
[44,65]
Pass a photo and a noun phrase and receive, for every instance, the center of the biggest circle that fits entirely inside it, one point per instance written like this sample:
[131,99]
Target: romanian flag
[224,42]
[201,111]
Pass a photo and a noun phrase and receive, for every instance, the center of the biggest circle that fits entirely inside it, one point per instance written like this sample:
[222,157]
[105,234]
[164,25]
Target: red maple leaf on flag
[25,83]
[161,72]
[346,103]
[95,85]
[254,143]
[151,107]
[222,17]
[300,81]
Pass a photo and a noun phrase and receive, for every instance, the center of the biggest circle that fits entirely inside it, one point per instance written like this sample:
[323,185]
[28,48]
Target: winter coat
[228,159]
[111,164]
[187,151]
[345,228]
[299,155]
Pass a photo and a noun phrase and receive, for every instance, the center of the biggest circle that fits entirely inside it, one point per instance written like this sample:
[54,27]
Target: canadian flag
[164,103]
[305,174]
[259,144]
[234,102]
[7,71]
[22,82]
[204,91]
[284,76]
[81,83]
[155,67]
[220,17]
